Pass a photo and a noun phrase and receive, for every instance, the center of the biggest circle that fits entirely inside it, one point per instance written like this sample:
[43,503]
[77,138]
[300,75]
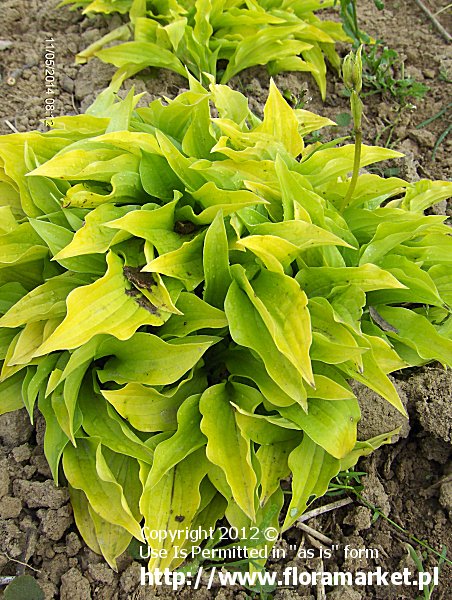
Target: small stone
[131,577]
[10,507]
[344,592]
[15,428]
[74,586]
[50,590]
[360,518]
[12,538]
[73,544]
[21,453]
[55,523]
[429,73]
[440,208]
[29,471]
[101,573]
[50,553]
[5,44]
[67,84]
[4,479]
[38,494]
[423,137]
[445,496]
[42,466]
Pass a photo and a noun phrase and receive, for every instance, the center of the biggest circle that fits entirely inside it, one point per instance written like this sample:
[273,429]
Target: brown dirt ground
[410,480]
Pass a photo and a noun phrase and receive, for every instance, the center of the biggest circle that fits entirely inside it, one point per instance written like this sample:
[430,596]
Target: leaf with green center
[113,540]
[240,362]
[257,428]
[22,245]
[247,328]
[326,166]
[141,54]
[97,164]
[157,177]
[86,469]
[147,409]
[155,226]
[273,462]
[55,440]
[389,235]
[264,46]
[347,302]
[441,277]
[319,281]
[416,331]
[94,237]
[147,359]
[300,234]
[367,447]
[102,307]
[180,164]
[281,122]
[329,423]
[184,264]
[11,394]
[187,439]
[332,343]
[82,518]
[196,315]
[420,287]
[100,420]
[312,469]
[56,238]
[282,305]
[171,506]
[124,188]
[226,446]
[373,376]
[217,274]
[47,301]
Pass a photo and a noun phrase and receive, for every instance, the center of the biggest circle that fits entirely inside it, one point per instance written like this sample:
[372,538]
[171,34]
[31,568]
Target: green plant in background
[349,15]
[380,68]
[383,71]
[185,298]
[198,35]
[100,6]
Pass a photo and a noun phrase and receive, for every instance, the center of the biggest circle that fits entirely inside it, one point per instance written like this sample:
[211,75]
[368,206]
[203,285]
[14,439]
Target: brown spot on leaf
[184,227]
[138,278]
[144,303]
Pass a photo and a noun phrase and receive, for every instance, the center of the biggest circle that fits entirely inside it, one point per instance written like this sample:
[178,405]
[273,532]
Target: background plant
[219,38]
[185,299]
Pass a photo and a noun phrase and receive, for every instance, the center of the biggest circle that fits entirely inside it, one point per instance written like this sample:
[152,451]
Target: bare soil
[410,481]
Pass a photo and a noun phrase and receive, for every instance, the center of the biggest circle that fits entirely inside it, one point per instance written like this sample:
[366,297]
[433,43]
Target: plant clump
[186,298]
[217,37]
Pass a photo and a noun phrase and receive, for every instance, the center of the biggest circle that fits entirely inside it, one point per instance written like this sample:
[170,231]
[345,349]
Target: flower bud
[352,67]
[347,71]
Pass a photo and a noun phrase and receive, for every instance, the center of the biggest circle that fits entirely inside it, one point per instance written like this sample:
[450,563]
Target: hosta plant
[187,298]
[196,35]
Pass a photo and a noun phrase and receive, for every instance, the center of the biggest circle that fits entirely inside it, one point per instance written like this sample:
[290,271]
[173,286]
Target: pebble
[5,44]
[21,453]
[10,507]
[4,480]
[67,84]
[38,494]
[429,73]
